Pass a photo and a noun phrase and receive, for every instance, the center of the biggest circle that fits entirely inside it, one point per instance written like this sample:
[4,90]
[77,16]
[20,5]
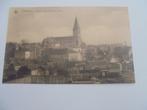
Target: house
[74,56]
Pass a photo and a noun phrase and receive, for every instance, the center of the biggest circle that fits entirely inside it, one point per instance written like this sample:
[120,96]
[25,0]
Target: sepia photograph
[68,45]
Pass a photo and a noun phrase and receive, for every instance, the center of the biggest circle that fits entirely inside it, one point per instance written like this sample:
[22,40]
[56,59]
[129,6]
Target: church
[65,47]
[73,41]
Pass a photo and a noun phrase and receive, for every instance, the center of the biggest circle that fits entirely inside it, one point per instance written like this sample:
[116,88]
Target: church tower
[76,32]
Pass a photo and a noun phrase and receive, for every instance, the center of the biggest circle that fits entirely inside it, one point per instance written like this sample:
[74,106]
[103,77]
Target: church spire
[76,32]
[76,28]
[76,24]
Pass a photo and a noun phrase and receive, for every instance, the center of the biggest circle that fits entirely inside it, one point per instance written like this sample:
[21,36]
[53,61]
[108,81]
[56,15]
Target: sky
[99,25]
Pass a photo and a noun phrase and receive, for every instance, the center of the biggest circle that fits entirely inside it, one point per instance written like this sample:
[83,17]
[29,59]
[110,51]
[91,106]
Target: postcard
[68,45]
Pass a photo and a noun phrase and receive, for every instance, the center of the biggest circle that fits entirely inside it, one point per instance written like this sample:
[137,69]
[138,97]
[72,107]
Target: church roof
[61,38]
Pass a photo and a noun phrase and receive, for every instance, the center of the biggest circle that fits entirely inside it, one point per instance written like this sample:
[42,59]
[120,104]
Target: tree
[23,70]
[11,72]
